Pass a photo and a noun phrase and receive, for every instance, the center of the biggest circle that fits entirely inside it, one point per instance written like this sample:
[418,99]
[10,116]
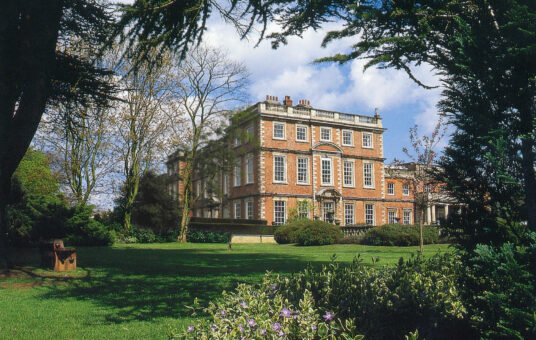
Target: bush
[82,230]
[399,235]
[206,237]
[338,302]
[317,233]
[143,235]
[308,233]
[263,313]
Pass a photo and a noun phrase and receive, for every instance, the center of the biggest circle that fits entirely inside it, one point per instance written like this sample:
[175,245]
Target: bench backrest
[58,244]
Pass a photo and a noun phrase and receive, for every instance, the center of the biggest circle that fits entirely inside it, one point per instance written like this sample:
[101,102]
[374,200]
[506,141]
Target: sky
[345,88]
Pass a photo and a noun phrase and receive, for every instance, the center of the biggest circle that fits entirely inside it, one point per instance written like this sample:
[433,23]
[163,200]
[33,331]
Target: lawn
[137,291]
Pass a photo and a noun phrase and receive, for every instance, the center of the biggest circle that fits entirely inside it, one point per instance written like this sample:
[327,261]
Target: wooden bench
[55,256]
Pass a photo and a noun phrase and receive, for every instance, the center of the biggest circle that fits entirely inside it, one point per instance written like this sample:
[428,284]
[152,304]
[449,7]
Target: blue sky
[345,88]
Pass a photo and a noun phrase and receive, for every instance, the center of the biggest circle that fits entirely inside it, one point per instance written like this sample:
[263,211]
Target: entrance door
[329,213]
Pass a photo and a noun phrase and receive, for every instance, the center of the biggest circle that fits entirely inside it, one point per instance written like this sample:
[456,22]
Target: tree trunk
[186,204]
[421,241]
[5,262]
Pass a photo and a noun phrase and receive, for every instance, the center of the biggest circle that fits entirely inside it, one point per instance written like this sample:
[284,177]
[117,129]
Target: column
[446,211]
[428,215]
[433,214]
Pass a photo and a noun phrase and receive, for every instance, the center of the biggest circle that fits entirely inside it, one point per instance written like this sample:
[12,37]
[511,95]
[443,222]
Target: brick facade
[325,143]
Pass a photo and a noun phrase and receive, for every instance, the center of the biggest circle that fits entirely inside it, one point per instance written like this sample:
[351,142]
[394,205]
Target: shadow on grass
[143,284]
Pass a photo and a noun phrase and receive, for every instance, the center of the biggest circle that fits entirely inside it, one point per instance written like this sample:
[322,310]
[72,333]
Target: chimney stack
[288,101]
[376,114]
[271,99]
[305,103]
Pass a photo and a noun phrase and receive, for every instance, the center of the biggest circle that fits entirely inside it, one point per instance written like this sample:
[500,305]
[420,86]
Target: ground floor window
[407,217]
[348,214]
[249,209]
[369,214]
[329,212]
[237,210]
[391,216]
[280,212]
[226,212]
[303,209]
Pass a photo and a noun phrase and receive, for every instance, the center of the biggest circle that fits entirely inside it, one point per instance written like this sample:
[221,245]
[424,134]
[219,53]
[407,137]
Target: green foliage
[399,235]
[500,286]
[143,235]
[417,294]
[308,233]
[153,208]
[82,230]
[254,313]
[195,236]
[34,175]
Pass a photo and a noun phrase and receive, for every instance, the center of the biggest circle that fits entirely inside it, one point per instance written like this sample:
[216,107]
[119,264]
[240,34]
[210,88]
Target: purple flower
[252,323]
[243,304]
[281,334]
[328,316]
[263,332]
[276,326]
[241,328]
[273,287]
[213,328]
[190,328]
[314,327]
[223,313]
[286,313]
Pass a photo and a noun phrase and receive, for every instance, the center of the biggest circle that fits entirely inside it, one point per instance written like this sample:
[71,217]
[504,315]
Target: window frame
[352,221]
[408,211]
[352,177]
[393,213]
[250,135]
[237,178]
[226,184]
[365,185]
[250,173]
[351,138]
[239,205]
[306,134]
[373,221]
[249,209]
[284,180]
[371,146]
[390,185]
[325,129]
[405,189]
[300,206]
[322,182]
[276,212]
[306,170]
[284,131]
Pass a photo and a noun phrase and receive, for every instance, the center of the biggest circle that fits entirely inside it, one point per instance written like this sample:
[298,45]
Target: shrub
[262,313]
[82,230]
[317,233]
[206,237]
[399,235]
[144,235]
[286,233]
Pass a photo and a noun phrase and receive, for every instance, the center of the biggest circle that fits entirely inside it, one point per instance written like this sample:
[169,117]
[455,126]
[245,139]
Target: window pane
[279,212]
[325,134]
[348,173]
[405,189]
[279,169]
[326,171]
[279,130]
[237,210]
[301,133]
[249,210]
[367,175]
[390,188]
[348,214]
[249,170]
[347,137]
[302,170]
[237,174]
[369,214]
[367,140]
[407,217]
[391,216]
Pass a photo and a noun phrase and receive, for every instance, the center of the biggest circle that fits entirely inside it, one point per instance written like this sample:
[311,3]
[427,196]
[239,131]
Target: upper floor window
[237,174]
[325,134]
[390,188]
[367,140]
[280,168]
[279,130]
[348,173]
[250,133]
[249,169]
[237,141]
[303,170]
[326,171]
[368,175]
[405,189]
[301,133]
[347,138]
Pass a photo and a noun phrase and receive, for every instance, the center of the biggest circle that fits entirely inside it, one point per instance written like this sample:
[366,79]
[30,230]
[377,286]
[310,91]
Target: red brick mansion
[316,163]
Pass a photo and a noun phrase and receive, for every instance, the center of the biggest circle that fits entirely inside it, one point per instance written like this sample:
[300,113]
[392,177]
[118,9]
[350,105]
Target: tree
[208,83]
[421,179]
[141,124]
[154,208]
[35,71]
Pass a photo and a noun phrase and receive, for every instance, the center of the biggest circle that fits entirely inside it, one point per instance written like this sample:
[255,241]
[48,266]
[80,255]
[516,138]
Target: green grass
[136,291]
